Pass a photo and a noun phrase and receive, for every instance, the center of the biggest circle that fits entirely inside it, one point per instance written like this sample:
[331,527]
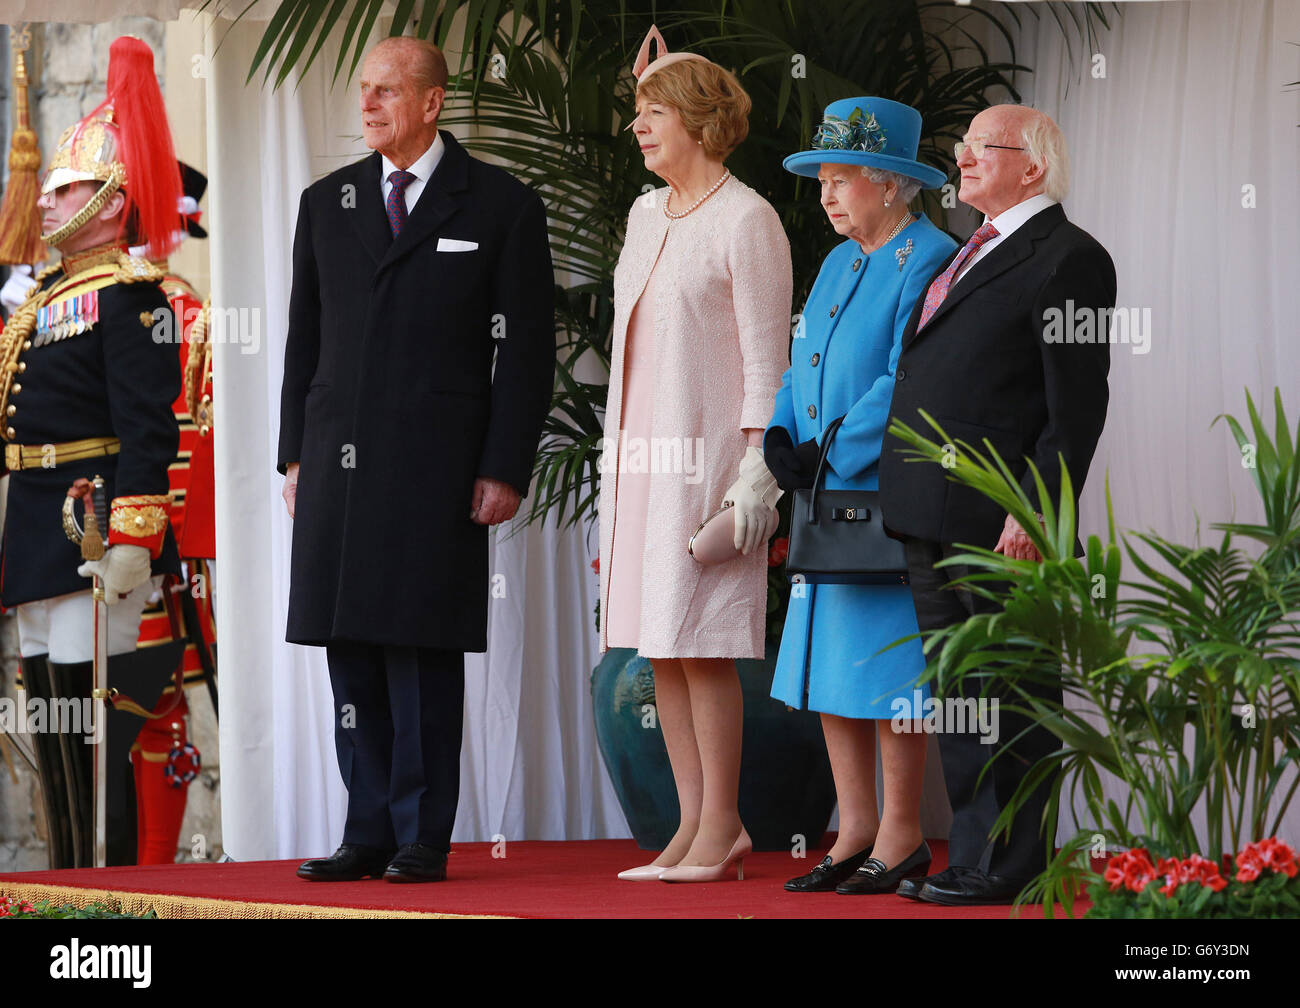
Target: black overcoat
[391,402]
[983,369]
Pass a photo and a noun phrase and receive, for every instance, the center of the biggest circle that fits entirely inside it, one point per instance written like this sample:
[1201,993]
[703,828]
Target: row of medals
[68,317]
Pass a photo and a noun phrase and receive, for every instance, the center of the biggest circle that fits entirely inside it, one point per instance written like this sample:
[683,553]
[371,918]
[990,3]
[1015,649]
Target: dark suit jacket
[390,402]
[982,368]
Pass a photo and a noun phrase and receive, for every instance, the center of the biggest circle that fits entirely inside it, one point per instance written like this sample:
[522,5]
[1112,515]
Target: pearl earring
[886,202]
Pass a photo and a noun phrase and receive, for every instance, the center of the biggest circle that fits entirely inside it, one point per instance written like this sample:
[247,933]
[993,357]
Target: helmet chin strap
[82,217]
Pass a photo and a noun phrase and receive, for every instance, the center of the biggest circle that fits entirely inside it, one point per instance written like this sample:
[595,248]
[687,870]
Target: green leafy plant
[1185,684]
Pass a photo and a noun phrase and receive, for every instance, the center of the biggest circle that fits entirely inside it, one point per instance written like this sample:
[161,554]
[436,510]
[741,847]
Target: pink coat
[721,346]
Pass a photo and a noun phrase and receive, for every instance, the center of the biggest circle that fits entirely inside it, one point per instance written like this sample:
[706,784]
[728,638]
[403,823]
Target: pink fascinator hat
[644,66]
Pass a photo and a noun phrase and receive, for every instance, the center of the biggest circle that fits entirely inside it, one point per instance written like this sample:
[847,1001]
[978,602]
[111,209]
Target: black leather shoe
[973,888]
[873,877]
[347,864]
[417,862]
[827,875]
[910,888]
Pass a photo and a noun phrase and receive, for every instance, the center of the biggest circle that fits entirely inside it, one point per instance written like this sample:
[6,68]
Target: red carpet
[535,879]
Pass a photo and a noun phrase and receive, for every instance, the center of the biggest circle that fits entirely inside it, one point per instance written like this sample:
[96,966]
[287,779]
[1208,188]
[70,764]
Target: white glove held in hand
[753,496]
[123,569]
[14,292]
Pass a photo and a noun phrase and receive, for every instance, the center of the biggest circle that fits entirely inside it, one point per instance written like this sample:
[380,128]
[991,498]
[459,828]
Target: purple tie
[939,289]
[396,204]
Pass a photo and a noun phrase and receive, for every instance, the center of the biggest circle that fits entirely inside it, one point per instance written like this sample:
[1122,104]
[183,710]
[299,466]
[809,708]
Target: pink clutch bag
[714,542]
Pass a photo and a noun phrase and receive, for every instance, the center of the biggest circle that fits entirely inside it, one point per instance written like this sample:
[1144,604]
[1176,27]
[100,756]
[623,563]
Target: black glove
[794,468]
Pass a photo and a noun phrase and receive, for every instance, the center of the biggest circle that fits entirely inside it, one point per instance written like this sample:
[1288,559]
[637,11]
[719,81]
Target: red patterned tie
[939,289]
[396,203]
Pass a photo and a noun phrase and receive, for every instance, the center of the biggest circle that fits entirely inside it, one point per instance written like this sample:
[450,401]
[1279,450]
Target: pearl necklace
[714,188]
[902,223]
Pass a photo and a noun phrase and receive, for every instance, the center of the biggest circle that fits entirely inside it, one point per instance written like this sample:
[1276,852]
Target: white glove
[15,289]
[123,569]
[753,496]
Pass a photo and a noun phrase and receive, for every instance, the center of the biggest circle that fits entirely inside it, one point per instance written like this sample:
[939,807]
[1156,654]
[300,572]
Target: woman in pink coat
[701,334]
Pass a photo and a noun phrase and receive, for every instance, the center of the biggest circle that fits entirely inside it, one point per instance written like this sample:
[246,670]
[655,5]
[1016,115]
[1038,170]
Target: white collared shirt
[1007,222]
[422,170]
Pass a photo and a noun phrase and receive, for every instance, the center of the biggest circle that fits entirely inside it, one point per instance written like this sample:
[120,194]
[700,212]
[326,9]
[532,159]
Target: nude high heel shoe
[713,873]
[646,873]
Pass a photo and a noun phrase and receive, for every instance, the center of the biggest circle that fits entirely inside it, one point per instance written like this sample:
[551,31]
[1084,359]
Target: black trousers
[976,806]
[398,714]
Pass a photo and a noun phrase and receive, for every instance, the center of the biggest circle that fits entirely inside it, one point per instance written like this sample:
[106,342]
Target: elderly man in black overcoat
[418,371]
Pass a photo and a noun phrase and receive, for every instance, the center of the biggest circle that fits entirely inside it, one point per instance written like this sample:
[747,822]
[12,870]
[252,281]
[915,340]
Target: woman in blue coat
[843,364]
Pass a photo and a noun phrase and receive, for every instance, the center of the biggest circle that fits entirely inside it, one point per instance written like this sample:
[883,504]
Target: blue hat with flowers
[867,131]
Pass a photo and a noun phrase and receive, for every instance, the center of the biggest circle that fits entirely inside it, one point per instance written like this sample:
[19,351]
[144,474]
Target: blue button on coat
[843,672]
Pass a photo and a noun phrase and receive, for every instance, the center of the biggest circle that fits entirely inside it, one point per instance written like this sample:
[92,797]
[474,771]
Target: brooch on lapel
[902,254]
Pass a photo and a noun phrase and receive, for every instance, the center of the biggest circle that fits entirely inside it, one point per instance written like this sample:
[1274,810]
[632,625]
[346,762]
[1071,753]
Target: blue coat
[843,359]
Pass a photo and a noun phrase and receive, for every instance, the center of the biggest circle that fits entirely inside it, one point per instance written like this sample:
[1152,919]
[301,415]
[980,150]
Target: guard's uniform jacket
[190,473]
[86,390]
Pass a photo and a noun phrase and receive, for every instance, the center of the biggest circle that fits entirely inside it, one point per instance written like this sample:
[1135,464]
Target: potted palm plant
[1183,684]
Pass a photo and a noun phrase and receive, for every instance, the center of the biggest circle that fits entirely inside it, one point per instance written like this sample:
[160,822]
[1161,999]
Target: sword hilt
[90,536]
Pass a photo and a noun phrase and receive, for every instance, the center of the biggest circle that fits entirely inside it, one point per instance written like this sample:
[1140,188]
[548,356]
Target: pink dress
[702,330]
[633,487]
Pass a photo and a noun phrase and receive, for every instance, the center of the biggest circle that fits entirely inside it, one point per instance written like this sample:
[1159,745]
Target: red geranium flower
[1270,853]
[1132,870]
[779,550]
[1206,872]
[1192,869]
[595,565]
[1279,856]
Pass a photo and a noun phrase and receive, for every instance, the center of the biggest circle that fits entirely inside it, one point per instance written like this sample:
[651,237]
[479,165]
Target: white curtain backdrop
[1193,107]
[530,768]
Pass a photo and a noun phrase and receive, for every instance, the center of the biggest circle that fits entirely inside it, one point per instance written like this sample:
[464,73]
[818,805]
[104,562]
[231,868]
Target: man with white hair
[976,356]
[418,369]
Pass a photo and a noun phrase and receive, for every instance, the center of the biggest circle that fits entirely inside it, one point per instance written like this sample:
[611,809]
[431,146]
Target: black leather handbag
[838,537]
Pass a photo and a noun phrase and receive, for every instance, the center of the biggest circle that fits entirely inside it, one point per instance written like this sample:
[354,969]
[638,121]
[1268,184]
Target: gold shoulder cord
[133,269]
[17,332]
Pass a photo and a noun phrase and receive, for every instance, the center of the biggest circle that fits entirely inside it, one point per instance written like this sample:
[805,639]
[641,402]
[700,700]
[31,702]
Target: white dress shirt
[422,170]
[1006,222]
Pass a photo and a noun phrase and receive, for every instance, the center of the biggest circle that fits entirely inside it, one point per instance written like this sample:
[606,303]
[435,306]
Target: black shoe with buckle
[417,862]
[347,864]
[873,877]
[827,875]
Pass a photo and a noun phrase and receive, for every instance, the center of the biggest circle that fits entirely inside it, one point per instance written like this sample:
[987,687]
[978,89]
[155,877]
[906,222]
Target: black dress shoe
[826,876]
[874,877]
[347,864]
[973,888]
[417,862]
[910,888]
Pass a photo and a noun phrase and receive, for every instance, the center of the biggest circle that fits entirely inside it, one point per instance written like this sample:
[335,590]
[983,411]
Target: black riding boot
[55,798]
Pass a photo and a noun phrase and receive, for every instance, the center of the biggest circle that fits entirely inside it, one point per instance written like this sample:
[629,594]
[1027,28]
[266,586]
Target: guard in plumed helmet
[86,390]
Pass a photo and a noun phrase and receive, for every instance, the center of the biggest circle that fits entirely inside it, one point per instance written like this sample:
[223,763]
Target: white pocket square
[456,245]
